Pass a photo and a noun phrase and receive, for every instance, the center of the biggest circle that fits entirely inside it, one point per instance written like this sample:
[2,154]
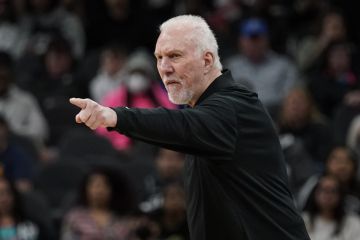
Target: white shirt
[271,79]
[323,229]
[23,114]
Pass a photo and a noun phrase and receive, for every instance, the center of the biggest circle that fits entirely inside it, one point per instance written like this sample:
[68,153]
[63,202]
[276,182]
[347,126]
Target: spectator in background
[325,216]
[171,217]
[168,169]
[47,19]
[53,77]
[342,164]
[13,38]
[332,29]
[20,108]
[299,118]
[14,224]
[111,73]
[14,163]
[139,89]
[337,81]
[104,200]
[269,74]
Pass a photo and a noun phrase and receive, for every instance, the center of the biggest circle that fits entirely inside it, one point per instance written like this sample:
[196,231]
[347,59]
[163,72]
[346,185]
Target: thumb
[79,102]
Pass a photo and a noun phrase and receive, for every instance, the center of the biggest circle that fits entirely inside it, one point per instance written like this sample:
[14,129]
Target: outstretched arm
[209,129]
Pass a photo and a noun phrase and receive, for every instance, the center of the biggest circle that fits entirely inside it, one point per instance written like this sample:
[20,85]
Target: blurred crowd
[59,180]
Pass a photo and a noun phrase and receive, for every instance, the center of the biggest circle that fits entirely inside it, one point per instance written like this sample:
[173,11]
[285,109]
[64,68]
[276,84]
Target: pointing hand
[93,114]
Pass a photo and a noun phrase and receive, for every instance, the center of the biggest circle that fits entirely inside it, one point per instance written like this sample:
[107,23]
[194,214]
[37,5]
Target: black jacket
[235,175]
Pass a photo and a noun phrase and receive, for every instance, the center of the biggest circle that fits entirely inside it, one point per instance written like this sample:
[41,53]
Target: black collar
[223,81]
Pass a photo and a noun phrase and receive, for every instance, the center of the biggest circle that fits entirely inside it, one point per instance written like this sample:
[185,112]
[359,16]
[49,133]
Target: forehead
[174,40]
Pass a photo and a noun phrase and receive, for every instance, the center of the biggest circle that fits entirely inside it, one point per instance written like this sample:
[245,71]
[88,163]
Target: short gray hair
[200,32]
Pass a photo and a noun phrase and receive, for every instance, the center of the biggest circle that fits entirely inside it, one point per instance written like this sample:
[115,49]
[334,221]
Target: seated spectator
[337,81]
[104,200]
[332,29]
[20,108]
[342,164]
[47,19]
[139,90]
[269,74]
[168,169]
[299,118]
[52,81]
[14,163]
[171,217]
[13,37]
[325,216]
[111,73]
[14,224]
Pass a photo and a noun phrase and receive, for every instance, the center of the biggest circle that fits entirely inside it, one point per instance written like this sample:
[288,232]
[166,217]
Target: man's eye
[158,59]
[174,55]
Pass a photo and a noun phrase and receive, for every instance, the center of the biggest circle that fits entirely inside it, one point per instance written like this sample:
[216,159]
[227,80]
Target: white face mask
[137,83]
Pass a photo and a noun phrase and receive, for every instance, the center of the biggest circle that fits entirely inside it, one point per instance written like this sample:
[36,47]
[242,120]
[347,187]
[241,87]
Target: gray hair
[200,33]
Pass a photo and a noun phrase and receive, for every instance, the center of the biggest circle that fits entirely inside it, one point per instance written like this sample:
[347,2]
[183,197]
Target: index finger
[79,102]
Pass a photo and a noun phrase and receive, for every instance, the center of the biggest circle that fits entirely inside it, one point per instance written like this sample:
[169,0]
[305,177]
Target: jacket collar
[223,81]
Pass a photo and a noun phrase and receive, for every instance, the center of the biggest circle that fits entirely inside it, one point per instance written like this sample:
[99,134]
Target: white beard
[183,96]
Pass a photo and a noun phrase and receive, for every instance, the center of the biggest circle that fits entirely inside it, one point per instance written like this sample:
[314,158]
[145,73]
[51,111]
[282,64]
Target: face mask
[137,83]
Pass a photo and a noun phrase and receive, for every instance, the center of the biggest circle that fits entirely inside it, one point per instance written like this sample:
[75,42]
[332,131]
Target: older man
[235,177]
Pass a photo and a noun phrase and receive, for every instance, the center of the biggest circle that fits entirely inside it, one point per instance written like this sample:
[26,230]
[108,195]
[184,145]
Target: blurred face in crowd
[111,62]
[339,59]
[327,194]
[174,198]
[5,80]
[58,63]
[170,164]
[340,165]
[180,65]
[6,197]
[333,27]
[296,109]
[117,8]
[254,47]
[98,191]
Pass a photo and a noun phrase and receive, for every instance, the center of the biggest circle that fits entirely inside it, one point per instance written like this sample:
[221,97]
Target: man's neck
[209,78]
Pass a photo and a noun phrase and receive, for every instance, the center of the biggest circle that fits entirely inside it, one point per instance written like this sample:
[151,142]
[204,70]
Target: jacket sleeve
[207,129]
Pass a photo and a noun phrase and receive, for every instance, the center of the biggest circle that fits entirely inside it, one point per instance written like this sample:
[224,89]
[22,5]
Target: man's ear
[208,61]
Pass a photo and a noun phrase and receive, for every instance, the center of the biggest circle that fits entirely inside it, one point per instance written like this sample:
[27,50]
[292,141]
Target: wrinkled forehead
[175,39]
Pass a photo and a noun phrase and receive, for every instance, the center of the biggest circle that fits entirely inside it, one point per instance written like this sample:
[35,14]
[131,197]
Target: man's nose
[165,66]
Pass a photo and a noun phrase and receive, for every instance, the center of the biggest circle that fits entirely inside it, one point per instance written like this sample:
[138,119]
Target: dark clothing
[316,137]
[179,231]
[329,90]
[15,164]
[235,176]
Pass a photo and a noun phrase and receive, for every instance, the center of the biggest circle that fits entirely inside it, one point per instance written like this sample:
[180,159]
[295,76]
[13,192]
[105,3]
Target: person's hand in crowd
[93,114]
[352,98]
